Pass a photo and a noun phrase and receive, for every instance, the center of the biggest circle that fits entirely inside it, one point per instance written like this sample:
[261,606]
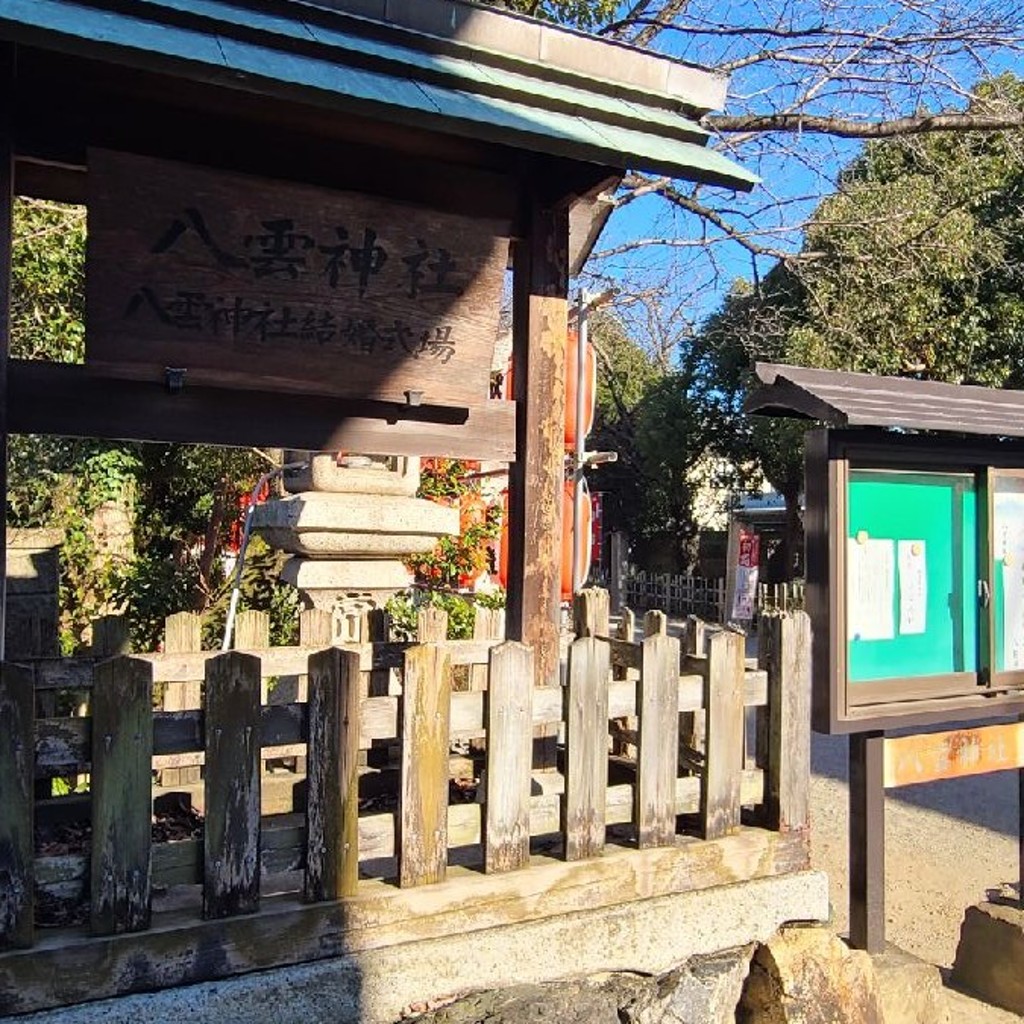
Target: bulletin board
[915,579]
[911,574]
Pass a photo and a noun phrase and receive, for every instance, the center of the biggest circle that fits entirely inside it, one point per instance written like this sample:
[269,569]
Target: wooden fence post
[488,624]
[231,845]
[423,813]
[586,749]
[590,612]
[17,806]
[658,705]
[183,634]
[431,625]
[377,630]
[110,636]
[509,752]
[655,622]
[332,806]
[723,762]
[122,802]
[784,726]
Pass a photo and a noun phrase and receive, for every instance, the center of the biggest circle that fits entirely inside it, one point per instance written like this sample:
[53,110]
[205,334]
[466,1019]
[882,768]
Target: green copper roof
[315,53]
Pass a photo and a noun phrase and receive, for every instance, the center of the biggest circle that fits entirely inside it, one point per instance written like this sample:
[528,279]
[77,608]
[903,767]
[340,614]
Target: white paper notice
[870,588]
[745,598]
[1008,508]
[913,585]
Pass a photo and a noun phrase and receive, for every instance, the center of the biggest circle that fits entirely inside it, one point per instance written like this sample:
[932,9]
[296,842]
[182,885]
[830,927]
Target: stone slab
[651,936]
[990,956]
[322,473]
[910,990]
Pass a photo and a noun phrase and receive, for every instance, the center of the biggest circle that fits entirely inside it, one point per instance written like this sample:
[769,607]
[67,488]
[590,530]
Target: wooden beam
[55,398]
[539,328]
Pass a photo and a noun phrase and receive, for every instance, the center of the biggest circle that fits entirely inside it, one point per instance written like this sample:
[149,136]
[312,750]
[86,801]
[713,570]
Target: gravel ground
[947,844]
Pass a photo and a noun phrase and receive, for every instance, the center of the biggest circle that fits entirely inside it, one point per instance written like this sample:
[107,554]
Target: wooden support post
[586,749]
[122,802]
[332,807]
[316,629]
[423,814]
[723,762]
[627,626]
[231,844]
[539,332]
[183,634]
[509,749]
[787,756]
[867,842]
[8,94]
[657,760]
[17,770]
[619,567]
[590,613]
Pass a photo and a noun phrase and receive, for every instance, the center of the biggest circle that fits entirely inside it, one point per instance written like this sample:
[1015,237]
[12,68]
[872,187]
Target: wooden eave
[844,399]
[313,55]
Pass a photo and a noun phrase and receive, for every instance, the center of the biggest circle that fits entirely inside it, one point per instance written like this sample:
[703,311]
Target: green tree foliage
[179,501]
[913,268]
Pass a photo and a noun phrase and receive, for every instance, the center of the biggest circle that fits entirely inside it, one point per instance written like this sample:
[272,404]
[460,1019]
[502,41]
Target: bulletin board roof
[450,67]
[844,399]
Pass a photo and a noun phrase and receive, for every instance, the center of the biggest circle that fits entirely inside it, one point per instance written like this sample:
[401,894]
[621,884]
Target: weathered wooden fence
[335,840]
[677,595]
[781,597]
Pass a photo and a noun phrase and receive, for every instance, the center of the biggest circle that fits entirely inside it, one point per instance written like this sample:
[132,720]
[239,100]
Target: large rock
[809,976]
[909,989]
[704,990]
[990,956]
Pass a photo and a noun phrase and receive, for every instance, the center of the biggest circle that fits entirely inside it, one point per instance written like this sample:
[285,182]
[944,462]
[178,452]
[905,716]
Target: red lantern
[589,388]
[582,541]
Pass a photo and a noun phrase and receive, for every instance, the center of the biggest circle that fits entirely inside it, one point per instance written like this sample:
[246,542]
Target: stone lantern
[350,524]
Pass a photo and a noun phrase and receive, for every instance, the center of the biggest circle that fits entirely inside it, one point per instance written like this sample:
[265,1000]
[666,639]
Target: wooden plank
[62,744]
[657,759]
[378,630]
[326,291]
[655,622]
[509,753]
[787,803]
[488,624]
[431,625]
[283,836]
[423,818]
[110,636]
[723,699]
[695,636]
[183,634]
[539,332]
[867,842]
[122,802]
[69,400]
[382,917]
[252,630]
[590,612]
[17,845]
[332,802]
[586,748]
[231,862]
[909,760]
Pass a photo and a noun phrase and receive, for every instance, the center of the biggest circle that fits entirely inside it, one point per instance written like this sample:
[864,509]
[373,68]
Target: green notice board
[912,571]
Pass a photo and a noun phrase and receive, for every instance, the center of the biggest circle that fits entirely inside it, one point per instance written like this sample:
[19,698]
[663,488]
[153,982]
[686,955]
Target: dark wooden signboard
[265,284]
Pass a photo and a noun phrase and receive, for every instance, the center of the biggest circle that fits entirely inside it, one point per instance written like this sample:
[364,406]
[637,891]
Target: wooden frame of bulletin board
[915,576]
